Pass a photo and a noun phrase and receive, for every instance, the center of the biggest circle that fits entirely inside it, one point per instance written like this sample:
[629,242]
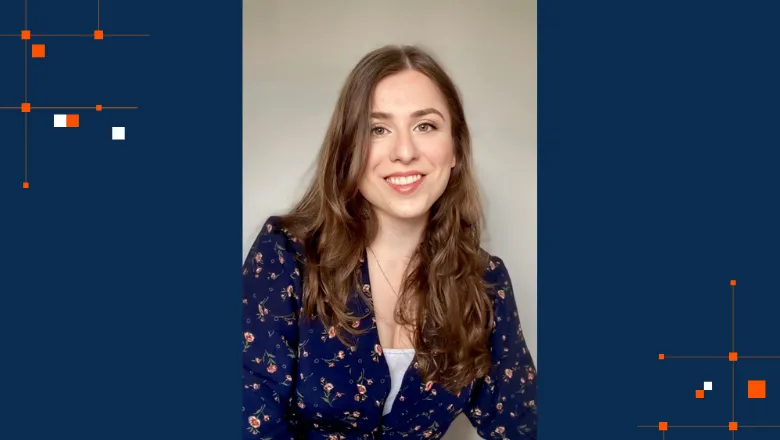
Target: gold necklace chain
[397,312]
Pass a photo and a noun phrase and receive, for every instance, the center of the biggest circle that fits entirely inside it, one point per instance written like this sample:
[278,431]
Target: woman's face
[411,152]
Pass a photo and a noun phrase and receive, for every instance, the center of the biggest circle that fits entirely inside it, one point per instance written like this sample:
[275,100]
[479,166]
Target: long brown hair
[443,297]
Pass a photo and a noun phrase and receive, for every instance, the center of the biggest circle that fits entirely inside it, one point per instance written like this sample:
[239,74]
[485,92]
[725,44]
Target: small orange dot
[25,184]
[661,356]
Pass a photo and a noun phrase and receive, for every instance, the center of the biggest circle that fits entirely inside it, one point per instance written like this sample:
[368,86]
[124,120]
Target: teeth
[404,180]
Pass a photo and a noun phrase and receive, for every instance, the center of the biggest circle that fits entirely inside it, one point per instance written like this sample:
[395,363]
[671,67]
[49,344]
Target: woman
[370,310]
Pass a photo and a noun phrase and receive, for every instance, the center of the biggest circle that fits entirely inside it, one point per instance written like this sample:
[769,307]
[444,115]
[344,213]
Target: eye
[378,131]
[426,126]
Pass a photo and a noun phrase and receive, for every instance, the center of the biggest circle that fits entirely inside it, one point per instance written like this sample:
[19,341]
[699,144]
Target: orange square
[72,121]
[733,356]
[733,426]
[663,426]
[699,394]
[660,356]
[25,107]
[25,184]
[756,389]
[733,282]
[98,35]
[99,108]
[25,35]
[39,51]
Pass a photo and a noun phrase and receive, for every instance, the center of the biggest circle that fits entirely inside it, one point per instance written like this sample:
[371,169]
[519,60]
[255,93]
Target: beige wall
[296,56]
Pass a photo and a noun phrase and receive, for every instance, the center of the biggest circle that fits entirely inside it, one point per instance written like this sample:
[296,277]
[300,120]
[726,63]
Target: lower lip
[406,189]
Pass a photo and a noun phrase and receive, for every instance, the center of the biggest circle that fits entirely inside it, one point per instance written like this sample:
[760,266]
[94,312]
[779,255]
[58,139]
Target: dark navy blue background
[658,180]
[119,285]
[657,185]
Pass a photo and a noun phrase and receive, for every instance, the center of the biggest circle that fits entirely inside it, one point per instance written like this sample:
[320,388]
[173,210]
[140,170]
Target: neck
[398,238]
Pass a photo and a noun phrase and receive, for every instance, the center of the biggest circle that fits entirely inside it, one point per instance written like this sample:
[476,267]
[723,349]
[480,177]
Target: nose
[404,150]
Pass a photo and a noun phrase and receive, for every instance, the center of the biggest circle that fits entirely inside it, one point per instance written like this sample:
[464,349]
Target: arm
[504,404]
[271,290]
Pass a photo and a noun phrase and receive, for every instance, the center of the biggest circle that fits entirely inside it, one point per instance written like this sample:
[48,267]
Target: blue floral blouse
[301,382]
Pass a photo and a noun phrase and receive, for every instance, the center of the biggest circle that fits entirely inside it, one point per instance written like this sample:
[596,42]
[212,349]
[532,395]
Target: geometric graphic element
[660,356]
[39,51]
[69,121]
[118,133]
[756,389]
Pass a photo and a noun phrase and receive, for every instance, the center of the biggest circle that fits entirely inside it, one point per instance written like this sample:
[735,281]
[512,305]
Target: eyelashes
[378,130]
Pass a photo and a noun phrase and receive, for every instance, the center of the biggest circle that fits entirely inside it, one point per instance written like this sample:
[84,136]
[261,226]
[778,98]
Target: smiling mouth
[405,184]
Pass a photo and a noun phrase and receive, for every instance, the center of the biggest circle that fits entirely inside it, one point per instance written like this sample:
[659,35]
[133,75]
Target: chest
[344,389]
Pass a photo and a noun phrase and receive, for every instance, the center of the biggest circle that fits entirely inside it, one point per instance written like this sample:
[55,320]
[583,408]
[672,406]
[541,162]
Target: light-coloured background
[297,55]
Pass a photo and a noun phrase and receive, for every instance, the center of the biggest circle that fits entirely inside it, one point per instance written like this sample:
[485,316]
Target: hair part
[443,297]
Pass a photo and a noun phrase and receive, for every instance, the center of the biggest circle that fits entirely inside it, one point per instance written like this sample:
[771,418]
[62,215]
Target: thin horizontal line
[695,357]
[72,108]
[74,35]
[759,357]
[740,426]
[670,426]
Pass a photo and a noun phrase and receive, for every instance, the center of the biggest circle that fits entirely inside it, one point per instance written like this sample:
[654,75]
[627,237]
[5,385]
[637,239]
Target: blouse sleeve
[271,292]
[504,404]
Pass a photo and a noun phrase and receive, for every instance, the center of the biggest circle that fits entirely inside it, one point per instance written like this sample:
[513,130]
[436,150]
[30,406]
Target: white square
[707,386]
[60,121]
[118,133]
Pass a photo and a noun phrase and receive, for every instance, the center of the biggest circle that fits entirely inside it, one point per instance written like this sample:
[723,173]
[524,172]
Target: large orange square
[99,108]
[98,35]
[733,282]
[25,107]
[733,426]
[25,35]
[663,426]
[72,121]
[25,184]
[660,356]
[733,356]
[699,394]
[39,51]
[756,389]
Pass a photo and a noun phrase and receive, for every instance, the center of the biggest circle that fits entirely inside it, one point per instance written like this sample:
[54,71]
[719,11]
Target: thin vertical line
[732,391]
[25,14]
[25,147]
[732,319]
[25,70]
[98,15]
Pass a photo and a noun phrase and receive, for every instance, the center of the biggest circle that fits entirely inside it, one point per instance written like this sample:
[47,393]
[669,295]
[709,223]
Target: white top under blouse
[398,359]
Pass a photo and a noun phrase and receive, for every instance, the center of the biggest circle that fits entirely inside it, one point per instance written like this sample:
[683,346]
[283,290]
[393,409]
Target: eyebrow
[416,114]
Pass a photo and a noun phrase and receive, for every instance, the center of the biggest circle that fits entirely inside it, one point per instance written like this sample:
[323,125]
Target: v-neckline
[366,278]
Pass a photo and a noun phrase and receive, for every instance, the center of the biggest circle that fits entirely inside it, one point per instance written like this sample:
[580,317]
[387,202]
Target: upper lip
[404,174]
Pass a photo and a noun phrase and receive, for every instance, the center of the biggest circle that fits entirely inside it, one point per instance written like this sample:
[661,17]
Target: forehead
[406,92]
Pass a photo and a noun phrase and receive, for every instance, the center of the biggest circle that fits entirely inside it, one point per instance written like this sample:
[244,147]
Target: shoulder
[495,271]
[275,241]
